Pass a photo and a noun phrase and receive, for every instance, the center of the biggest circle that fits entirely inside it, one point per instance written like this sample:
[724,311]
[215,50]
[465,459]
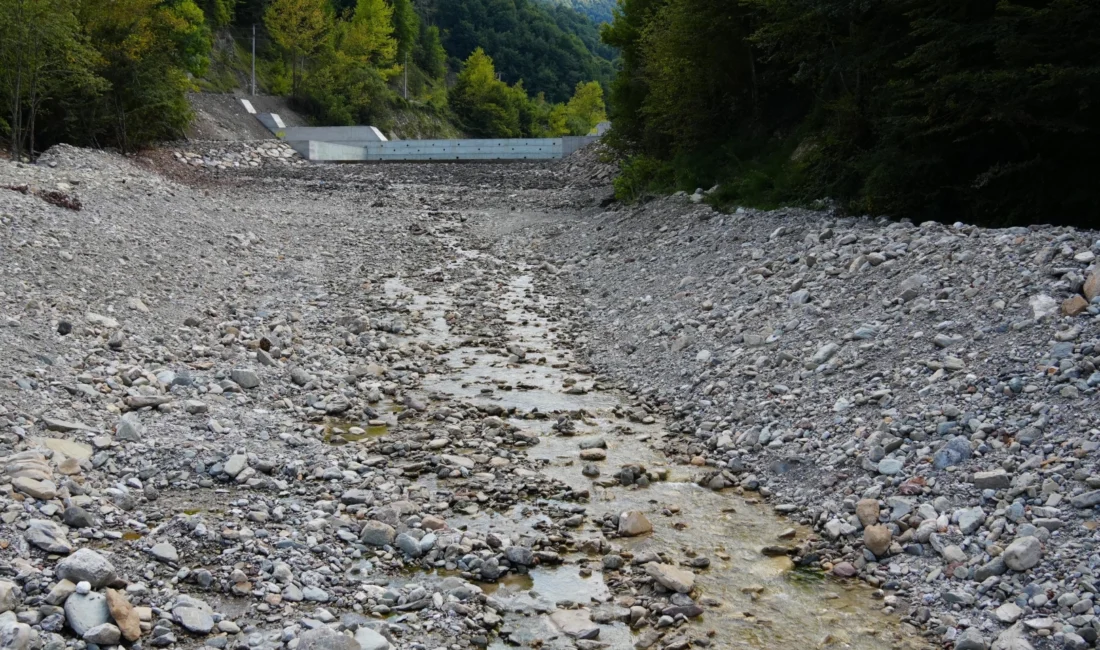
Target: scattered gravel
[448,406]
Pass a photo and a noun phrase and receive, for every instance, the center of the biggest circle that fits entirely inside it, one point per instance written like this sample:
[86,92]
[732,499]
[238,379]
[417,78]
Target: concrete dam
[368,144]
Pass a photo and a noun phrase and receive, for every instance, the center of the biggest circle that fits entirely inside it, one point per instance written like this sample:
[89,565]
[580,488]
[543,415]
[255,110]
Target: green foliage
[524,39]
[406,29]
[599,11]
[368,36]
[642,175]
[218,13]
[486,106]
[981,110]
[430,55]
[103,72]
[585,109]
[43,56]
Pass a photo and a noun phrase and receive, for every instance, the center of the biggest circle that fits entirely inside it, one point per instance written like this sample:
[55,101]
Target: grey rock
[1023,553]
[86,611]
[368,639]
[997,479]
[47,536]
[1086,500]
[235,465]
[18,636]
[194,619]
[129,428]
[244,377]
[165,552]
[77,517]
[326,638]
[105,634]
[88,566]
[377,533]
[519,555]
[890,466]
[970,519]
[971,639]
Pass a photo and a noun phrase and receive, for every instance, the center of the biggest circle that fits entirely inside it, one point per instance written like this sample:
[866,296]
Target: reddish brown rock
[126,617]
[1074,305]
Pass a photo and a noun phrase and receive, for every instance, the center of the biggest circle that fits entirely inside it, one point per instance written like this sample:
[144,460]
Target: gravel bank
[923,396]
[455,406]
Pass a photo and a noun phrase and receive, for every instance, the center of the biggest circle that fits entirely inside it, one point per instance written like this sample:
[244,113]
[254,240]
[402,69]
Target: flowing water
[765,602]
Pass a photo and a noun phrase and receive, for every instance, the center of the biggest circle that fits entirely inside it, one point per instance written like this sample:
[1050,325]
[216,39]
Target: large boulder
[89,566]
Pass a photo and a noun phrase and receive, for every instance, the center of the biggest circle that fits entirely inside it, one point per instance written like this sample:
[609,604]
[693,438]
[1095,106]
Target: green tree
[585,109]
[406,29]
[42,56]
[219,13]
[487,106]
[430,55]
[369,35]
[300,27]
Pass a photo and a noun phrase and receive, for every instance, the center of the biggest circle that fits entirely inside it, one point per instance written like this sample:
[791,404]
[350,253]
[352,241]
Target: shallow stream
[764,602]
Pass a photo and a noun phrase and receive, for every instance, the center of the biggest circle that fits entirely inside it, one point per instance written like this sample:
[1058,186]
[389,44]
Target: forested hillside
[550,49]
[116,73]
[600,11]
[973,110]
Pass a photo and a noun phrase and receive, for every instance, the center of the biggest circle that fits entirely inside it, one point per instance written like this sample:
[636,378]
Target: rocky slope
[924,396]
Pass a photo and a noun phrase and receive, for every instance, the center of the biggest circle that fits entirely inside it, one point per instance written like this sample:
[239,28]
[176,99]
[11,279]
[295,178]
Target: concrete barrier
[442,150]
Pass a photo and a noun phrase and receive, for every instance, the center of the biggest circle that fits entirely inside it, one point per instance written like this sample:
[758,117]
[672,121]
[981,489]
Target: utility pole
[253,58]
[406,75]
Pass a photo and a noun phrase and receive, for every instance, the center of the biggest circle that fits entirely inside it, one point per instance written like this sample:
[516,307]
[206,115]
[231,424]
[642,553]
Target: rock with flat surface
[194,619]
[165,552]
[575,623]
[41,490]
[245,378]
[377,533]
[368,639]
[671,577]
[86,611]
[47,536]
[104,634]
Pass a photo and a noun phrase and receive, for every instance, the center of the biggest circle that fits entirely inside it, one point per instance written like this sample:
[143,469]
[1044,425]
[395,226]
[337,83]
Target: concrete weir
[368,144]
[440,150]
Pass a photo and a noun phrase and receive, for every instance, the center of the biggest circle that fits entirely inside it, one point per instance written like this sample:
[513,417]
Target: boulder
[633,523]
[877,539]
[89,566]
[326,638]
[1023,553]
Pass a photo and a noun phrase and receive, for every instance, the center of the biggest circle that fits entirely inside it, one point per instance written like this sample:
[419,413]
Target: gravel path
[451,406]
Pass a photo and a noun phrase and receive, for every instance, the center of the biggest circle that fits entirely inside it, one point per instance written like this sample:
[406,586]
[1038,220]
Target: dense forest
[600,11]
[977,110]
[116,72]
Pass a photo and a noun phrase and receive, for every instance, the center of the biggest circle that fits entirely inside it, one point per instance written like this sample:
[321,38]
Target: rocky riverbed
[456,406]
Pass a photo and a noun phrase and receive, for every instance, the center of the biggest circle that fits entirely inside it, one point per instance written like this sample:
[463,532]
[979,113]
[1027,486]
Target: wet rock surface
[435,406]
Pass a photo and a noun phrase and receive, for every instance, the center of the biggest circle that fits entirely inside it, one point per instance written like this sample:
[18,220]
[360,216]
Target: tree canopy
[979,110]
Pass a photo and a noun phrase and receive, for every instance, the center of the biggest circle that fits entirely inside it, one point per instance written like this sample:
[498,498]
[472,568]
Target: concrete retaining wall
[442,150]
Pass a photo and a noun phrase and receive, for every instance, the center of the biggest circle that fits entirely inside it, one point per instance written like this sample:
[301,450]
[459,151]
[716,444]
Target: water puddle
[341,432]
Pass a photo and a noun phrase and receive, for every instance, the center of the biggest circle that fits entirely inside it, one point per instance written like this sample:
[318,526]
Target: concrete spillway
[442,150]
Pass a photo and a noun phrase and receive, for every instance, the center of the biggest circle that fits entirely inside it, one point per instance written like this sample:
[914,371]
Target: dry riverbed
[412,406]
